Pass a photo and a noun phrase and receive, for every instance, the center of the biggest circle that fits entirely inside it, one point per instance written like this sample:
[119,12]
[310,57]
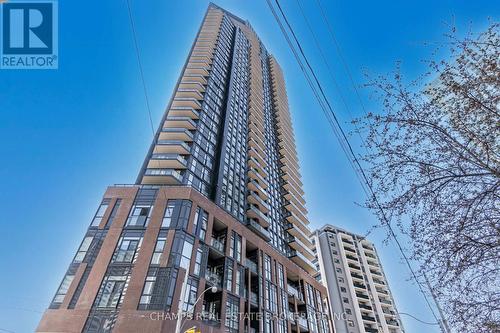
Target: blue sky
[66,134]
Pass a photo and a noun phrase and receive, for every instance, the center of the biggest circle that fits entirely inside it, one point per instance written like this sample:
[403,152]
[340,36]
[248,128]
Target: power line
[138,55]
[346,143]
[412,316]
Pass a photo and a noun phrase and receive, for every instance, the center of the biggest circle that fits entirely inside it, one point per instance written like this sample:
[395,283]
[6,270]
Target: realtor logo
[29,35]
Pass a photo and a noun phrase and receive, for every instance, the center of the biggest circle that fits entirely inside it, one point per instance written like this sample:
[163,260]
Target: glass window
[113,213]
[198,261]
[267,267]
[177,214]
[200,223]
[84,247]
[139,215]
[182,249]
[159,247]
[190,295]
[63,288]
[229,275]
[232,313]
[128,246]
[99,214]
[235,246]
[111,292]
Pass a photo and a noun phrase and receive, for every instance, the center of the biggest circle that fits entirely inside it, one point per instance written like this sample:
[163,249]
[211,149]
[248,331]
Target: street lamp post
[179,323]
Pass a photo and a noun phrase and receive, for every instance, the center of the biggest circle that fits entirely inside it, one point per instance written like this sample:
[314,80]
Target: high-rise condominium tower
[218,203]
[360,299]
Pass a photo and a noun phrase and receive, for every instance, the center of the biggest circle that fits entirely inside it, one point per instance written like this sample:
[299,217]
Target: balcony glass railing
[218,244]
[251,265]
[213,278]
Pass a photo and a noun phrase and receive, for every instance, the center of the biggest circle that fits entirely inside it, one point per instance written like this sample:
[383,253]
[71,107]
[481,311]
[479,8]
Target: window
[99,214]
[177,214]
[84,247]
[190,295]
[63,288]
[182,249]
[159,287]
[113,213]
[342,289]
[350,323]
[229,275]
[139,215]
[232,313]
[281,276]
[112,288]
[281,326]
[348,311]
[147,292]
[159,247]
[235,246]
[200,223]
[345,300]
[267,267]
[198,261]
[127,248]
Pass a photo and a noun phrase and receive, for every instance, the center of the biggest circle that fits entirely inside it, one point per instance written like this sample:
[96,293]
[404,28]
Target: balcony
[219,245]
[295,231]
[171,147]
[302,261]
[349,249]
[368,318]
[359,285]
[377,281]
[193,77]
[254,174]
[253,298]
[185,84]
[198,70]
[296,244]
[362,296]
[384,292]
[371,330]
[354,267]
[253,212]
[213,278]
[162,176]
[259,165]
[255,187]
[180,122]
[296,214]
[392,322]
[177,134]
[294,292]
[365,306]
[302,322]
[351,257]
[384,301]
[167,161]
[254,198]
[357,276]
[189,93]
[375,272]
[252,266]
[258,229]
[186,103]
[184,112]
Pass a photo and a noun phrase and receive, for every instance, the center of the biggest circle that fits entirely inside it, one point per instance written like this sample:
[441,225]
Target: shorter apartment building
[360,298]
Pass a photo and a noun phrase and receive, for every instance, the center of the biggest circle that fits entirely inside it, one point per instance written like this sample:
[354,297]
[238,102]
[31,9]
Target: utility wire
[139,63]
[412,316]
[339,51]
[346,143]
